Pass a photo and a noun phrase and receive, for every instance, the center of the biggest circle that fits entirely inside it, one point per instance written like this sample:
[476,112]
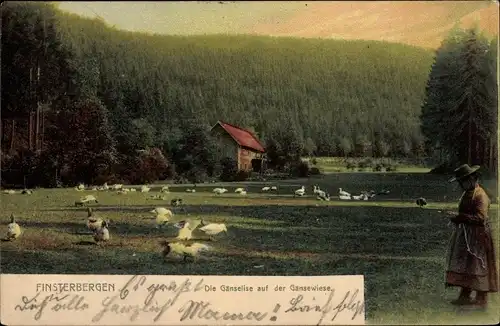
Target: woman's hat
[463,171]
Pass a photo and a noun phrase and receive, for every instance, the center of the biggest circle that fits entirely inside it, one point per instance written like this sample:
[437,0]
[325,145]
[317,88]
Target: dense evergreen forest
[460,111]
[85,102]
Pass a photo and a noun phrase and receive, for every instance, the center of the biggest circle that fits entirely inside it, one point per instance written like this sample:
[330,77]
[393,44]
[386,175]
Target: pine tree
[459,111]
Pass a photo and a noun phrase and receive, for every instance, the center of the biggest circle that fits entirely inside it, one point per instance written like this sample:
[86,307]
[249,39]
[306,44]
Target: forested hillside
[83,97]
[338,93]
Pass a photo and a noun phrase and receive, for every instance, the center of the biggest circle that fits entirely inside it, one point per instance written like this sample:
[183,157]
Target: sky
[184,17]
[420,23]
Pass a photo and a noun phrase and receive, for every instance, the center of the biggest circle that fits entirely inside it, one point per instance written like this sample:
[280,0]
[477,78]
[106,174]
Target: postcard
[249,163]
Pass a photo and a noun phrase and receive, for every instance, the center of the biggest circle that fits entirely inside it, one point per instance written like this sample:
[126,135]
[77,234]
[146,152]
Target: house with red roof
[240,145]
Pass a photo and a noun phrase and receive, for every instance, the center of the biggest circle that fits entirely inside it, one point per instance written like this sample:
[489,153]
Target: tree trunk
[492,162]
[477,154]
[30,131]
[485,149]
[43,130]
[469,143]
[37,127]
[13,134]
[1,134]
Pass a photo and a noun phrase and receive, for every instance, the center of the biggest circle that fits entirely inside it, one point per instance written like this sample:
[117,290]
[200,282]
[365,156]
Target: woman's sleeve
[481,204]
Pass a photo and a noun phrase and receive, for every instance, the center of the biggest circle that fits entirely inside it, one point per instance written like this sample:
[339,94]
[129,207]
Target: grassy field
[399,247]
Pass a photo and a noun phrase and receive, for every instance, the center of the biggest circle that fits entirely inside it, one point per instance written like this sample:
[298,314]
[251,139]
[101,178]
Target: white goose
[162,211]
[213,229]
[145,188]
[158,197]
[186,229]
[219,191]
[165,189]
[89,199]
[101,235]
[185,233]
[163,215]
[117,186]
[266,188]
[274,188]
[191,250]
[324,196]
[319,192]
[344,197]
[301,191]
[238,190]
[93,223]
[13,229]
[360,197]
[343,193]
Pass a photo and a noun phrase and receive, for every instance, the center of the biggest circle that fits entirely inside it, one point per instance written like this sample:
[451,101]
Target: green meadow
[399,247]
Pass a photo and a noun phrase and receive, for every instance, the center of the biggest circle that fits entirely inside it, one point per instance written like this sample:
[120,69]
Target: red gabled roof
[243,137]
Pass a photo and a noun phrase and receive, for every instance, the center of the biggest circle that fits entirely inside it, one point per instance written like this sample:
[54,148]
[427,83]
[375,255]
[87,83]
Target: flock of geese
[99,227]
[163,217]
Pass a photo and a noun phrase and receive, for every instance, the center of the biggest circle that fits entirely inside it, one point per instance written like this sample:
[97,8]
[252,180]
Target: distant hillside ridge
[420,23]
[337,97]
[332,91]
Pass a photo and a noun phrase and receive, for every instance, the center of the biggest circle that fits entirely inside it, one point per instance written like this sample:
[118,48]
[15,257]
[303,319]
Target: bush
[146,167]
[378,168]
[197,175]
[242,176]
[364,163]
[314,171]
[299,169]
[179,179]
[229,169]
[391,167]
[350,165]
[314,161]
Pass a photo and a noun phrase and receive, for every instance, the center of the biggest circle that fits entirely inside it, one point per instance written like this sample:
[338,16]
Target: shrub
[391,167]
[197,175]
[145,167]
[314,161]
[364,163]
[229,169]
[314,171]
[350,165]
[299,169]
[378,167]
[179,179]
[242,176]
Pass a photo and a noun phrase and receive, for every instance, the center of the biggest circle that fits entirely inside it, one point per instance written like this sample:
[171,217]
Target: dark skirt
[472,260]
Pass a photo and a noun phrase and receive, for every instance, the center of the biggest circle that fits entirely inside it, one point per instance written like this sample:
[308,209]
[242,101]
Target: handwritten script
[115,303]
[197,300]
[59,302]
[348,303]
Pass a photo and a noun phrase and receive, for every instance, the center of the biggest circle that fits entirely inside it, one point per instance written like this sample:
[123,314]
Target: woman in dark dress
[471,258]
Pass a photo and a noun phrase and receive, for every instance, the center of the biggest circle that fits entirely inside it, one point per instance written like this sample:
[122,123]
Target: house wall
[228,146]
[245,157]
